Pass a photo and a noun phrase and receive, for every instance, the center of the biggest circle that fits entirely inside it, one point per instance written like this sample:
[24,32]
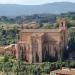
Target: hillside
[54,8]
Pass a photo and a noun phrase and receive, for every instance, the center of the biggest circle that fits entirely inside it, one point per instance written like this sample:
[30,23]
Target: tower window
[62,24]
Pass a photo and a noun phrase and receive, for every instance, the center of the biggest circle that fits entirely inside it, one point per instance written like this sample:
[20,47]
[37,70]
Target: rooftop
[66,71]
[41,30]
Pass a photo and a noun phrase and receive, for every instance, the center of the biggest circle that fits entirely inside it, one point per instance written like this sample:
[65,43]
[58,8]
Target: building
[9,50]
[31,25]
[65,71]
[38,45]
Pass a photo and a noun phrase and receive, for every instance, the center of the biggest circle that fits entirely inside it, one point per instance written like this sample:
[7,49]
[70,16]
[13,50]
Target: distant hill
[54,8]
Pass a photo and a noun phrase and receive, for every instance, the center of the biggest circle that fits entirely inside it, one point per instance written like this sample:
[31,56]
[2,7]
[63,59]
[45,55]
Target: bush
[6,58]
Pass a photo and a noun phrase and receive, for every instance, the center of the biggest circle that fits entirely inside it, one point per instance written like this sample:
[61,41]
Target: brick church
[38,45]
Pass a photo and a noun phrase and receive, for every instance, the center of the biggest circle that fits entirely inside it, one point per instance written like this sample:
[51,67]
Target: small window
[62,24]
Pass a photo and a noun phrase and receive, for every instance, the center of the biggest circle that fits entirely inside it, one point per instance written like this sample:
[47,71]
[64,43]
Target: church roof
[41,30]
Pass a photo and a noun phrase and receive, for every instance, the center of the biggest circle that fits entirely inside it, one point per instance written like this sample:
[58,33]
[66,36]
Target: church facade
[38,45]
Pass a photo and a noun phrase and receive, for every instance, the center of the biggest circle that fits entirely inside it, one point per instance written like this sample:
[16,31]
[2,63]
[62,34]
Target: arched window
[61,24]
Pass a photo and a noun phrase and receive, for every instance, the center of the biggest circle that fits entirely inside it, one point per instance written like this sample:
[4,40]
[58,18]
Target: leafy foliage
[8,36]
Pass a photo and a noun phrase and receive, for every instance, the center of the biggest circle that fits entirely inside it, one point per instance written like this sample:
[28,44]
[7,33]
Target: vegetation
[10,67]
[8,36]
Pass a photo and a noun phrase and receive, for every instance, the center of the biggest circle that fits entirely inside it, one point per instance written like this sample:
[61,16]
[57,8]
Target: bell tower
[63,24]
[64,30]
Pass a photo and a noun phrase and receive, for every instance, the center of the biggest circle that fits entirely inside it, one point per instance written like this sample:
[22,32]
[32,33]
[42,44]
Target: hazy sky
[31,2]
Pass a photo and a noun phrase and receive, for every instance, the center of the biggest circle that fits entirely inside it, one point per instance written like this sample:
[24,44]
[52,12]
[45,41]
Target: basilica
[38,45]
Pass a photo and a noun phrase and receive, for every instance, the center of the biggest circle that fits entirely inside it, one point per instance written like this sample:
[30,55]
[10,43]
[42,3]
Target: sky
[32,2]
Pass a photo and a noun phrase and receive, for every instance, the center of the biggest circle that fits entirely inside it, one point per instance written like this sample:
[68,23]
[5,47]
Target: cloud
[27,2]
[7,1]
[23,1]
